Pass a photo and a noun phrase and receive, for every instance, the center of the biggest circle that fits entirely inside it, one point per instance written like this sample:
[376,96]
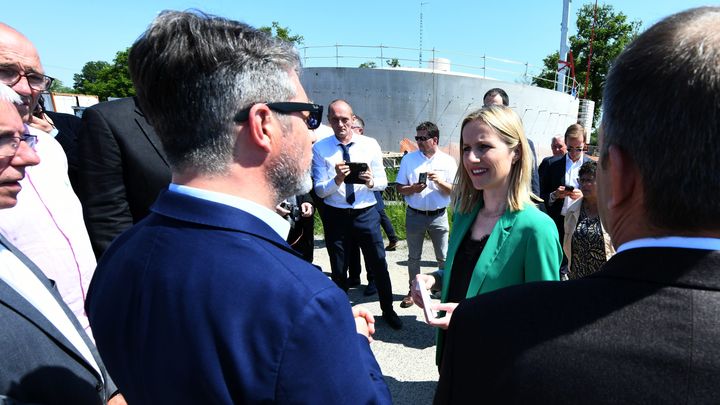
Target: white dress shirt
[414,163]
[571,179]
[47,226]
[327,153]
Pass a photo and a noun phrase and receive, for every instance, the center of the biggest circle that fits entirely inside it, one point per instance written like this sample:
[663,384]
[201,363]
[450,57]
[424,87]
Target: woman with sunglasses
[586,244]
[499,238]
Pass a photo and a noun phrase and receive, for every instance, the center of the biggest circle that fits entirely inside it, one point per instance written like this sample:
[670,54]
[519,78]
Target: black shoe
[392,246]
[370,289]
[392,319]
[353,282]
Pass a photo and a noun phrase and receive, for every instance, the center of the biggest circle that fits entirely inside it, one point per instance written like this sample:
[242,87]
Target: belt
[428,213]
[352,211]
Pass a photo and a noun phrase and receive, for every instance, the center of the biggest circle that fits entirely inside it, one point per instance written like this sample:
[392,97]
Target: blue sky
[70,33]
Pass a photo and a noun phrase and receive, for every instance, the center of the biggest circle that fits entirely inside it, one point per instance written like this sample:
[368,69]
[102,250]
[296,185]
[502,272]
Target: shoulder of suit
[531,215]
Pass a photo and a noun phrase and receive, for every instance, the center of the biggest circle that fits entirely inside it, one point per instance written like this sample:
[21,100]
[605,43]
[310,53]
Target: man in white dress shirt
[426,179]
[349,214]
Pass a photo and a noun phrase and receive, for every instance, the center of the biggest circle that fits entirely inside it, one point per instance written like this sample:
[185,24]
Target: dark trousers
[302,237]
[361,227]
[353,252]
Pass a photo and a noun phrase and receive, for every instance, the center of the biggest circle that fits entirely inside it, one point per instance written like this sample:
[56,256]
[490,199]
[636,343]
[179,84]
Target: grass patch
[395,210]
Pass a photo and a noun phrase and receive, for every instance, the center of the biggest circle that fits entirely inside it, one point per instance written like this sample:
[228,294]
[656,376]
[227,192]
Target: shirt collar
[672,242]
[270,217]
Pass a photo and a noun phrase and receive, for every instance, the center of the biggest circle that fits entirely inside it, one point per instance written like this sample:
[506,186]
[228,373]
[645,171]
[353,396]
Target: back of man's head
[661,106]
[432,130]
[194,72]
[497,91]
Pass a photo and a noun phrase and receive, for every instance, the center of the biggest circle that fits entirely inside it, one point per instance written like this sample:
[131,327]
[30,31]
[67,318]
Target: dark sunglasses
[313,120]
[422,138]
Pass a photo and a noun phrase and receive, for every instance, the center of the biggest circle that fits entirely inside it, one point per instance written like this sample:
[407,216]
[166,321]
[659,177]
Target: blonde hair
[509,128]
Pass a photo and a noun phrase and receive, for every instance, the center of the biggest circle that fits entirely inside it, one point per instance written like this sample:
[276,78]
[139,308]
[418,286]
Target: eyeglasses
[313,120]
[584,180]
[36,81]
[422,138]
[10,144]
[569,149]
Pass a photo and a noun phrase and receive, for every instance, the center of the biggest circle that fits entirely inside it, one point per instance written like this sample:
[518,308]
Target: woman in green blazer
[499,238]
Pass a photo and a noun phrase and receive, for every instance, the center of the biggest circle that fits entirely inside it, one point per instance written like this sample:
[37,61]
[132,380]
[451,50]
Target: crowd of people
[160,250]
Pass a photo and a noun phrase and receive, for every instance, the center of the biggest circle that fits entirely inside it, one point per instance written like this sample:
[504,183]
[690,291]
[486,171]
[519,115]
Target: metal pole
[562,68]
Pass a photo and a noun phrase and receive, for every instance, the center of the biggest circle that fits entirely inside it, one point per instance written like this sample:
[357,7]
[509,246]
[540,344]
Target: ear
[516,155]
[262,127]
[624,178]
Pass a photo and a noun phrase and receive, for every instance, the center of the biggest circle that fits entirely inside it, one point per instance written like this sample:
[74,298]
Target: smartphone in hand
[355,169]
[425,294]
[422,179]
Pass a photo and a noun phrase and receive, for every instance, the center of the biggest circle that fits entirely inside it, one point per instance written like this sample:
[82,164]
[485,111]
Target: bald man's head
[18,54]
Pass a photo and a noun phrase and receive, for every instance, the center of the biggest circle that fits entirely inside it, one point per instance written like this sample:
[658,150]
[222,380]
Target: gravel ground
[407,356]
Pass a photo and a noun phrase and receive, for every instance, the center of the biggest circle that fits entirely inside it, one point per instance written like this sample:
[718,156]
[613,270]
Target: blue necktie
[349,188]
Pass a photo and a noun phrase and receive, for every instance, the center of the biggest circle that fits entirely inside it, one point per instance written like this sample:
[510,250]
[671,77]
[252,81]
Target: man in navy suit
[559,185]
[45,355]
[204,301]
[644,329]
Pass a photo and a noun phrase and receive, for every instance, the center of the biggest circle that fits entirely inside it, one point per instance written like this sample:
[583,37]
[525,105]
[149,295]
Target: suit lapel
[25,309]
[490,256]
[149,132]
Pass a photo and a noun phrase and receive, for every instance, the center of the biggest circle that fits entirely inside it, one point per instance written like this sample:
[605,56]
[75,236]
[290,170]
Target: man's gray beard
[287,178]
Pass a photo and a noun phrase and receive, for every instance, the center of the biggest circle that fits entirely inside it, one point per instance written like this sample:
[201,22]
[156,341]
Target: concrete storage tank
[394,101]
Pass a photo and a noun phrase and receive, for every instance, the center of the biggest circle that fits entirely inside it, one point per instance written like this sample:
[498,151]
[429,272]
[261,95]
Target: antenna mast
[421,33]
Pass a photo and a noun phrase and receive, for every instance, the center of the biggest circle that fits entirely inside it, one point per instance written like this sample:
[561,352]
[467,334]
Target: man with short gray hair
[204,301]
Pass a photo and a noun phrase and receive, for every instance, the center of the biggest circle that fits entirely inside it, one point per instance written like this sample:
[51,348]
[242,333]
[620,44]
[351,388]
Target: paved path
[407,356]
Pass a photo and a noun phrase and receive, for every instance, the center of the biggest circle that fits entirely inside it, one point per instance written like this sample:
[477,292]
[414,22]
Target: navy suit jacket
[551,179]
[203,303]
[642,330]
[37,362]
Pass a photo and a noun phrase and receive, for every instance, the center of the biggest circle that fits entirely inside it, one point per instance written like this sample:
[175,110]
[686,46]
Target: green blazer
[523,246]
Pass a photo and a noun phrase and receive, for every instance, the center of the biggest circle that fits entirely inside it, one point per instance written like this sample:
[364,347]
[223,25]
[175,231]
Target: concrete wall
[393,101]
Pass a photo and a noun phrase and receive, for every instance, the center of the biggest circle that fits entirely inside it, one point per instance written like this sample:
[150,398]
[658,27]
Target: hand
[429,282]
[364,322]
[434,177]
[117,400]
[444,322]
[575,194]
[307,209]
[40,124]
[341,171]
[281,211]
[367,178]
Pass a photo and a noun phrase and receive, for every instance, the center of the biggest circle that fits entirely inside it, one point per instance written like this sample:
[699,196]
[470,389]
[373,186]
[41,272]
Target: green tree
[88,74]
[283,33]
[106,79]
[613,31]
[394,62]
[368,65]
[59,87]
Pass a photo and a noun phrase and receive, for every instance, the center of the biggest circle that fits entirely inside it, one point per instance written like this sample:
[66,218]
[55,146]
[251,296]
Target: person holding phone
[587,245]
[560,174]
[350,217]
[425,180]
[499,237]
